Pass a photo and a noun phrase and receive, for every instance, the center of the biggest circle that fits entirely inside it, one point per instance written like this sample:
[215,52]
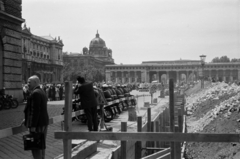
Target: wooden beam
[123,143]
[157,154]
[149,136]
[138,144]
[67,143]
[171,114]
[166,156]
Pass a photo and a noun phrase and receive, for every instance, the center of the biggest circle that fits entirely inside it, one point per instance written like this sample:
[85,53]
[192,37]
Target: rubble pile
[211,97]
[215,109]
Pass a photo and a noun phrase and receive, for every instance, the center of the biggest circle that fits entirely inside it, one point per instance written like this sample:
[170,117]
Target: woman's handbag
[34,141]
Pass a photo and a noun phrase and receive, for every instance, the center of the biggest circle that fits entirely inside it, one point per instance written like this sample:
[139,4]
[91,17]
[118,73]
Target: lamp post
[202,57]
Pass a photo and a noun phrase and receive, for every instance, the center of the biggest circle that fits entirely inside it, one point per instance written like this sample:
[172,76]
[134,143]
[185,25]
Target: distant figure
[56,93]
[61,92]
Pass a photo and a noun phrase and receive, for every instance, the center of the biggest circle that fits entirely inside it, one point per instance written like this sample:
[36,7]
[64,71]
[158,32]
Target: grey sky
[141,30]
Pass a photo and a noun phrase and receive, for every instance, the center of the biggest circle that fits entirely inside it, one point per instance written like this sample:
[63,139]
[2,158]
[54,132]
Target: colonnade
[132,76]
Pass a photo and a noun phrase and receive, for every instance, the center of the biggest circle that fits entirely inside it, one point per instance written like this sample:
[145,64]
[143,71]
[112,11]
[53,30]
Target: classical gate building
[179,70]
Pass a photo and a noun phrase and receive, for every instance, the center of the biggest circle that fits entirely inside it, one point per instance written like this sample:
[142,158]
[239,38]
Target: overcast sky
[141,30]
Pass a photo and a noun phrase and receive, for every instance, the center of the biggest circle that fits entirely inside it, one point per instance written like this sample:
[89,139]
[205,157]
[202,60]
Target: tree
[221,59]
[224,59]
[67,71]
[235,60]
[215,60]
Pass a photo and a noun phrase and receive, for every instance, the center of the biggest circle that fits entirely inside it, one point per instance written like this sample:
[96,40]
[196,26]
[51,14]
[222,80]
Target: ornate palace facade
[41,56]
[178,70]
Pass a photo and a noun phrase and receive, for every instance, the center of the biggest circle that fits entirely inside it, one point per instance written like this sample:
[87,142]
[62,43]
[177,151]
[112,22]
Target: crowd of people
[54,92]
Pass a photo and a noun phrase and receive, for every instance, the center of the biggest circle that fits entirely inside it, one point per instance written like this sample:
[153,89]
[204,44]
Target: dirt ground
[213,110]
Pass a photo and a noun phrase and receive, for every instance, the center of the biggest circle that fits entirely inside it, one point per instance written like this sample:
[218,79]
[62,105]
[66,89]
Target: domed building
[97,55]
[98,49]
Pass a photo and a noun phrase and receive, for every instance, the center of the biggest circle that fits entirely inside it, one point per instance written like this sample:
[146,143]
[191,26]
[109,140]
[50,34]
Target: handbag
[34,141]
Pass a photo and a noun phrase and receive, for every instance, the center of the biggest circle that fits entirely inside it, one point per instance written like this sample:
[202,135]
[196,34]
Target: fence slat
[149,136]
[123,143]
[138,144]
[171,115]
[67,143]
[157,154]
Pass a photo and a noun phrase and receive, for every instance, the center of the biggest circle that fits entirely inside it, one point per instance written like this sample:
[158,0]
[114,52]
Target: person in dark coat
[88,102]
[54,92]
[61,92]
[35,113]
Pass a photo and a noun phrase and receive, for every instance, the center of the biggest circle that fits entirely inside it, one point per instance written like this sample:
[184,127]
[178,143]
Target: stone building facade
[10,46]
[41,56]
[179,70]
[97,55]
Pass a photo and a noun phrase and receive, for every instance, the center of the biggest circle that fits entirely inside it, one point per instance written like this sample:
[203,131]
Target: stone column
[167,77]
[217,75]
[238,74]
[108,76]
[224,75]
[230,76]
[129,77]
[135,76]
[187,76]
[177,80]
[116,77]
[210,74]
[158,76]
[147,76]
[123,77]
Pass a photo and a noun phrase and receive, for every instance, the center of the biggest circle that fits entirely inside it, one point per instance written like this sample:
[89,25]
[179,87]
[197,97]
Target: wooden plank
[157,154]
[138,144]
[180,121]
[82,150]
[157,126]
[116,153]
[67,143]
[123,143]
[152,143]
[171,111]
[149,136]
[148,143]
[166,156]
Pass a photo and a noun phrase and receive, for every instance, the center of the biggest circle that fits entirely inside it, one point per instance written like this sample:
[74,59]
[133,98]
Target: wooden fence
[164,137]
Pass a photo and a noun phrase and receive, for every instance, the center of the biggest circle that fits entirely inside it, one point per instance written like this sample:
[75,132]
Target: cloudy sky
[141,30]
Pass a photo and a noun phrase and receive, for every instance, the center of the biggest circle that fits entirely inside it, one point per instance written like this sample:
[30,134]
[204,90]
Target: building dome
[97,42]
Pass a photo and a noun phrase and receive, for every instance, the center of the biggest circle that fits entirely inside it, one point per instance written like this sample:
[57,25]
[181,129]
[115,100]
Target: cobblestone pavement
[12,147]
[14,117]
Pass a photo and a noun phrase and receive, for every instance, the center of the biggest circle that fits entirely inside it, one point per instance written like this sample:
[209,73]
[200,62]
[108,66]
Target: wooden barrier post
[67,143]
[161,127]
[148,143]
[138,144]
[123,143]
[165,124]
[152,142]
[177,154]
[171,113]
[180,120]
[157,125]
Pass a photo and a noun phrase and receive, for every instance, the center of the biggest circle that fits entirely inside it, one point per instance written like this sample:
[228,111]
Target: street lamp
[202,57]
